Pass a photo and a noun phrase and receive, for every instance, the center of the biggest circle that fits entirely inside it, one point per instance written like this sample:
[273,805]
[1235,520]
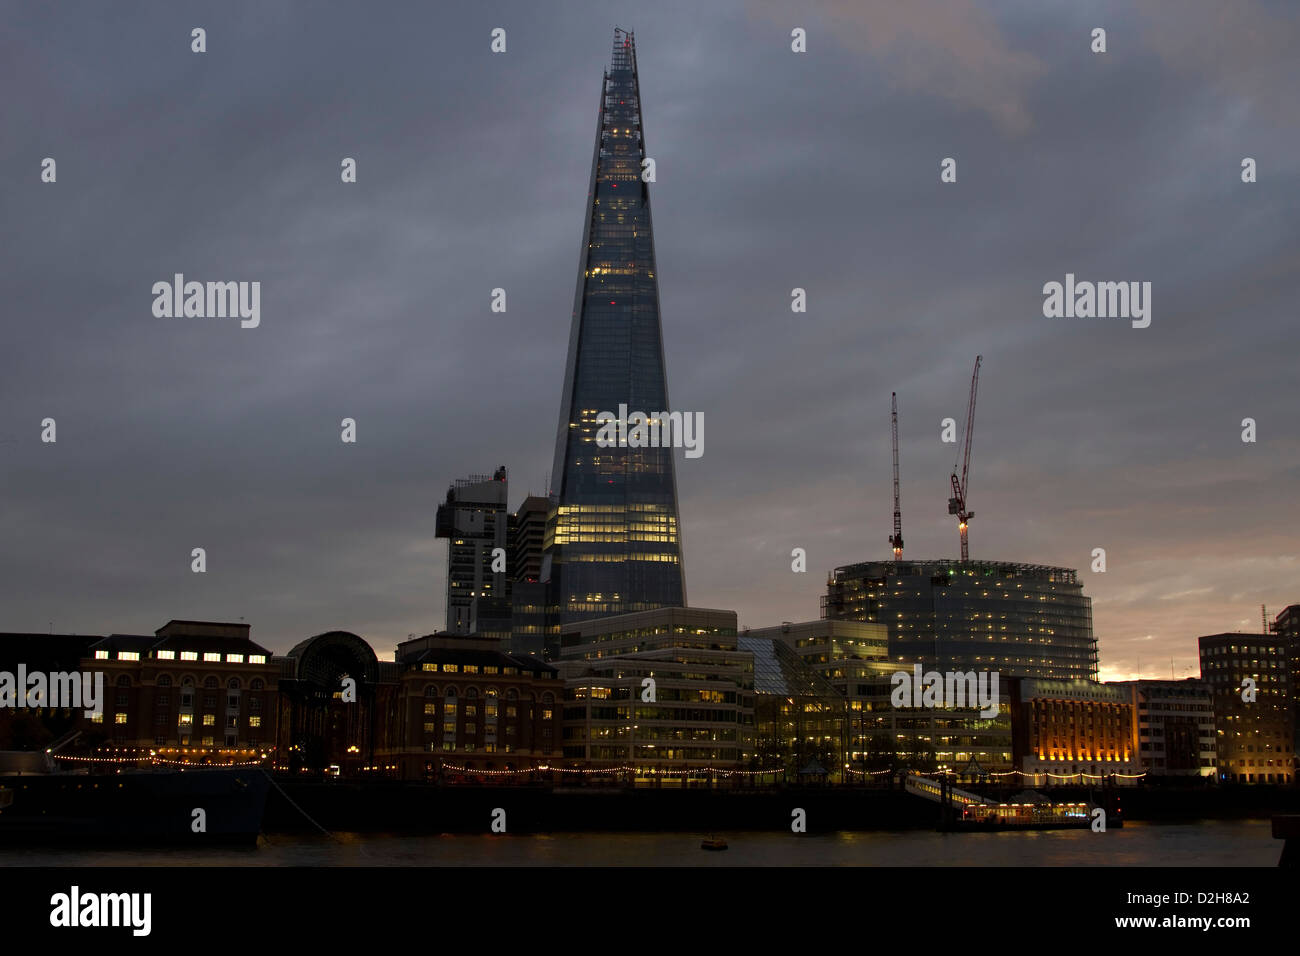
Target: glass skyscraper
[613,538]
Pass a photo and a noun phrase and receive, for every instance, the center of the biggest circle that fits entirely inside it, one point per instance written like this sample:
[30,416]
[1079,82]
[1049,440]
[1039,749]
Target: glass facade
[1021,620]
[613,537]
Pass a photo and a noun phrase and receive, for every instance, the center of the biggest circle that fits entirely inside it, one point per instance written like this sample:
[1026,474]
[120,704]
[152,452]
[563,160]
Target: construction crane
[957,504]
[896,539]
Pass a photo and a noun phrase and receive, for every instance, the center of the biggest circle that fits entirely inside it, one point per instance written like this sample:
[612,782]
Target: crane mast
[896,539]
[957,504]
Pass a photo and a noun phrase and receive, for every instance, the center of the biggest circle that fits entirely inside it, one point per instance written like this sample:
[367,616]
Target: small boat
[713,842]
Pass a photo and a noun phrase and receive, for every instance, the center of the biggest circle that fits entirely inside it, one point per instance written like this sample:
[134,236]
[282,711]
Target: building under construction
[1021,620]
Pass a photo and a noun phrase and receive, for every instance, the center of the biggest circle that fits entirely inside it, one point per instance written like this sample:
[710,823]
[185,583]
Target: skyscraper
[474,522]
[614,537]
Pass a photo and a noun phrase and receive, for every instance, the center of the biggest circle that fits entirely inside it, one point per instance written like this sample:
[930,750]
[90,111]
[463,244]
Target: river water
[1203,844]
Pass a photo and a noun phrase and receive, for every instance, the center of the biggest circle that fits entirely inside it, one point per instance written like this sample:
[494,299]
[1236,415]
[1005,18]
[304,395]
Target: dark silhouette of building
[473,520]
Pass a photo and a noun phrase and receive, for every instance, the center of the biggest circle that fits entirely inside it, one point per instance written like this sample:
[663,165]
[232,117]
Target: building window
[97,718]
[120,719]
[232,721]
[257,658]
[164,680]
[189,655]
[208,741]
[211,657]
[233,683]
[101,655]
[166,655]
[209,720]
[128,656]
[122,699]
[234,658]
[123,680]
[257,684]
[255,704]
[430,708]
[211,683]
[162,700]
[450,668]
[186,719]
[255,721]
[430,727]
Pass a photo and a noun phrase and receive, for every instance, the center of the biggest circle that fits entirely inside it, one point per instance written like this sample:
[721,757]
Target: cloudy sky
[775,170]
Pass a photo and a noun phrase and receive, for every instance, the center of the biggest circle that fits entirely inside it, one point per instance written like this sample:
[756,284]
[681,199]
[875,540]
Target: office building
[614,536]
[1021,620]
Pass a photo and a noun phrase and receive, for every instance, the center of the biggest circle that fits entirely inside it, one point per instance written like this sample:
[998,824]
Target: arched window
[472,693]
[233,683]
[431,691]
[512,694]
[451,692]
[257,684]
[548,698]
[123,680]
[164,680]
[187,681]
[210,683]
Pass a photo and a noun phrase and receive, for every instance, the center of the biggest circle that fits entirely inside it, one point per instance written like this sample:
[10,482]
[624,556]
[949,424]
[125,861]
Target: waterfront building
[1255,737]
[465,705]
[473,520]
[666,689]
[614,536]
[1021,620]
[853,657]
[1065,728]
[799,717]
[194,687]
[1173,726]
[338,707]
[1287,628]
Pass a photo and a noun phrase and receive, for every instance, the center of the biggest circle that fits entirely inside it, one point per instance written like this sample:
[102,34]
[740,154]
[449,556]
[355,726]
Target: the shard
[613,538]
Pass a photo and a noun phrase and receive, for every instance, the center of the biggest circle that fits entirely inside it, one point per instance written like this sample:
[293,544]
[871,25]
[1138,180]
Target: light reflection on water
[1207,843]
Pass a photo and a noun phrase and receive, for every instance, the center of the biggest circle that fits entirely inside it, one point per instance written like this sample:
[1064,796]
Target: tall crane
[957,504]
[896,539]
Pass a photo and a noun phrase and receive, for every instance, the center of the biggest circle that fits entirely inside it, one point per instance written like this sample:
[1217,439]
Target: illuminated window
[257,658]
[207,741]
[235,658]
[211,656]
[166,655]
[187,719]
[128,656]
[450,668]
[189,656]
[101,655]
[471,668]
[120,719]
[255,721]
[430,708]
[97,718]
[209,720]
[428,667]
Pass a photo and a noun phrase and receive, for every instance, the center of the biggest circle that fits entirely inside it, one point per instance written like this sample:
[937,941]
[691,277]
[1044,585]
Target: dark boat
[713,842]
[150,806]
